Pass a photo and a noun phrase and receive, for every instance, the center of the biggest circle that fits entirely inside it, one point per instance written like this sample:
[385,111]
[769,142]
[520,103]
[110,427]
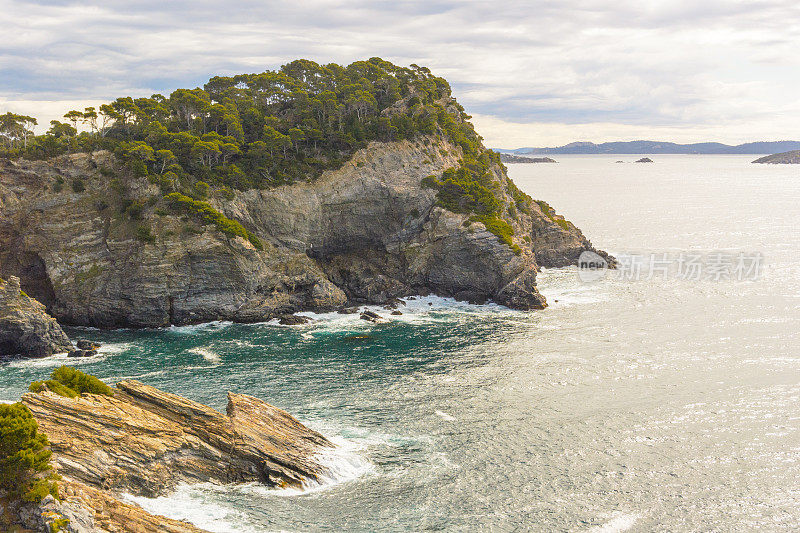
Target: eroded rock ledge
[145,442]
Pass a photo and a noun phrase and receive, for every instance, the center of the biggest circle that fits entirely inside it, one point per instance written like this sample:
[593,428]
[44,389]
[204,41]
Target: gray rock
[293,320]
[370,316]
[84,344]
[26,330]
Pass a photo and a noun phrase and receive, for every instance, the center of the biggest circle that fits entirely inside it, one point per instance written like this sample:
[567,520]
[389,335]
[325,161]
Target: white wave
[54,360]
[618,523]
[196,504]
[445,416]
[114,348]
[209,355]
[205,326]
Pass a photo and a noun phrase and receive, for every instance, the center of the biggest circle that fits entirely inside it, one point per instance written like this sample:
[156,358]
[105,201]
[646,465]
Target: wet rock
[397,313]
[84,344]
[82,353]
[293,320]
[348,311]
[371,316]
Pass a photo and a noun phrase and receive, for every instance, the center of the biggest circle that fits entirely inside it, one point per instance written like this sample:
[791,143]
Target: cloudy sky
[531,73]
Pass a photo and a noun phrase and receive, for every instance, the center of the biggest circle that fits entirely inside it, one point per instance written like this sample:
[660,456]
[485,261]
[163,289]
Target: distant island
[658,147]
[785,158]
[510,158]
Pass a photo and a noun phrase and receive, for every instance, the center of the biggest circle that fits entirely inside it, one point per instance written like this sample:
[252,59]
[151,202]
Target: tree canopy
[256,130]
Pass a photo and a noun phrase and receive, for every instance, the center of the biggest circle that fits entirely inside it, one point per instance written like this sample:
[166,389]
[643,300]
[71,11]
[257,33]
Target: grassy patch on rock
[71,383]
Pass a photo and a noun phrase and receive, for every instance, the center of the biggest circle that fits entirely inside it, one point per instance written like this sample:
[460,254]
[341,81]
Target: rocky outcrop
[144,441]
[510,158]
[785,158]
[26,330]
[367,232]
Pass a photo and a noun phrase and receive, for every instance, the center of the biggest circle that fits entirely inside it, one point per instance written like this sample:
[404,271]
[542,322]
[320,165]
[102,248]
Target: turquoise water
[639,405]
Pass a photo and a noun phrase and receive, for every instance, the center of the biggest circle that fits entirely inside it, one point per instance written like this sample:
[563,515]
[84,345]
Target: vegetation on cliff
[24,455]
[71,382]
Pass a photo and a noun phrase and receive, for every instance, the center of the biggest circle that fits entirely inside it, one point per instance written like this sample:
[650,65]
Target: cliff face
[25,327]
[366,232]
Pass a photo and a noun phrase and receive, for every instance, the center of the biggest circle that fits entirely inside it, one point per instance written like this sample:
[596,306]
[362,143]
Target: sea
[663,396]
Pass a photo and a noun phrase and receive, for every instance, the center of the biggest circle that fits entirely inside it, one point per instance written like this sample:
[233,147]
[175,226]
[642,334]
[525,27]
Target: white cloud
[532,72]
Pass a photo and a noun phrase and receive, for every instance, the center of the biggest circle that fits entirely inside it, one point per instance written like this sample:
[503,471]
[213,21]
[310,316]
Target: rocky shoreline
[145,442]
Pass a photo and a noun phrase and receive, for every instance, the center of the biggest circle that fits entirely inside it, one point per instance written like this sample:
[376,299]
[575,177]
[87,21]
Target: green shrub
[24,455]
[78,185]
[500,228]
[71,382]
[144,234]
[59,524]
[58,186]
[135,209]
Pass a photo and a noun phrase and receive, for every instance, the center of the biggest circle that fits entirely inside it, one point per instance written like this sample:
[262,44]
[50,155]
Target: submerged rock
[26,330]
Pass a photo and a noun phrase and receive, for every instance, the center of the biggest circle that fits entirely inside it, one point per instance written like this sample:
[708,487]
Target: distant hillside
[657,147]
[786,158]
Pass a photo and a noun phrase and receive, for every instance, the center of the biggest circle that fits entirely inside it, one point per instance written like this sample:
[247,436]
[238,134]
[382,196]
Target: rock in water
[370,316]
[83,344]
[293,320]
[144,441]
[26,330]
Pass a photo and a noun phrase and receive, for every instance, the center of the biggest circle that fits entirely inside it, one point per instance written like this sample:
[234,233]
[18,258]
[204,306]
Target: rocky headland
[785,158]
[141,441]
[266,194]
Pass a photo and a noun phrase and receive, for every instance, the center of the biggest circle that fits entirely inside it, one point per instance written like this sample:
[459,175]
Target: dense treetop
[267,129]
[256,130]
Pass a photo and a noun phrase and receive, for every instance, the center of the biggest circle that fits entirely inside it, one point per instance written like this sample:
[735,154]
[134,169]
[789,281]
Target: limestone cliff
[366,232]
[25,327]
